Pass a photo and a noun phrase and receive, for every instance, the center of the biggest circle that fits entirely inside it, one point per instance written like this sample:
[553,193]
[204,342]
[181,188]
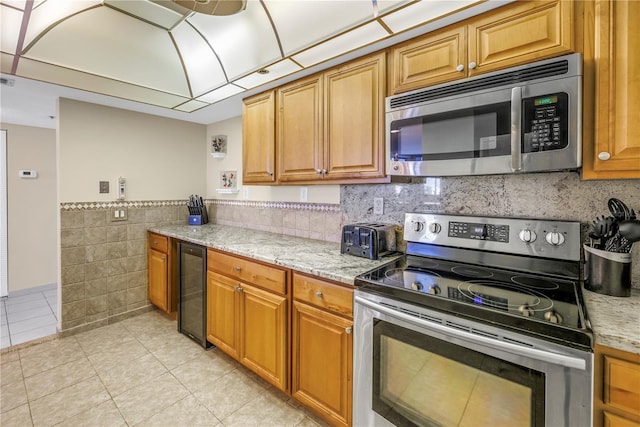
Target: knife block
[201,218]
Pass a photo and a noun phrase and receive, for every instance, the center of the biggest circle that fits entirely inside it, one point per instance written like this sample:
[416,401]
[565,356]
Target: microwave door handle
[516,131]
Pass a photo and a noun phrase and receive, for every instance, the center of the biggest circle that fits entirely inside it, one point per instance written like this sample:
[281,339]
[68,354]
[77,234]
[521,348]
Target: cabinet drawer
[622,384]
[264,276]
[158,242]
[335,298]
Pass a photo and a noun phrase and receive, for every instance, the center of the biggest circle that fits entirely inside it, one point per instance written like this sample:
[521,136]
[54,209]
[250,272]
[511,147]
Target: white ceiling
[143,56]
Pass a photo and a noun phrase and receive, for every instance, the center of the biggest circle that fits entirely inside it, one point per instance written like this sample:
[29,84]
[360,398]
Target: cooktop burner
[531,294]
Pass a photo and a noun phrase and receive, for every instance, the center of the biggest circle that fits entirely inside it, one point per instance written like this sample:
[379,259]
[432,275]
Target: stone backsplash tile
[96,287]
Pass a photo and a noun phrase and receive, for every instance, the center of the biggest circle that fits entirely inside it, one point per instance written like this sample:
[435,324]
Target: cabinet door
[222,313]
[322,362]
[616,149]
[158,279]
[299,139]
[258,139]
[354,119]
[437,58]
[263,327]
[520,33]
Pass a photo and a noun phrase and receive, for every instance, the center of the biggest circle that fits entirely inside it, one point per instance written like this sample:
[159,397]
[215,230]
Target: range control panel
[522,236]
[466,230]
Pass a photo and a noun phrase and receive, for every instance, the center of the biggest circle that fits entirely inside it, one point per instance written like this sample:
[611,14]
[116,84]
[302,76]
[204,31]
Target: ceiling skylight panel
[148,11]
[220,93]
[347,42]
[244,42]
[302,23]
[422,12]
[190,106]
[10,19]
[122,48]
[48,13]
[201,64]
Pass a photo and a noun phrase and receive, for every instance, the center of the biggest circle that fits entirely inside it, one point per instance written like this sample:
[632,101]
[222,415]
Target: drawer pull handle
[155,242]
[319,294]
[348,330]
[237,268]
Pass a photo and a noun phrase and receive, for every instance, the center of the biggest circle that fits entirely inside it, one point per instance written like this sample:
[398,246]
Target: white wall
[233,162]
[32,207]
[161,159]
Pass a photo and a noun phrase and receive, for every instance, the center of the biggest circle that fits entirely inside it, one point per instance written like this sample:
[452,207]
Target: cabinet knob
[319,294]
[318,171]
[237,269]
[324,171]
[472,65]
[238,289]
[460,68]
[270,173]
[604,155]
[348,330]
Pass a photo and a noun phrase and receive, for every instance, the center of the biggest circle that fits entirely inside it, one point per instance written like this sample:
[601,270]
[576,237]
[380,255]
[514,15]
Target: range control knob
[417,226]
[553,317]
[525,310]
[527,236]
[416,286]
[435,228]
[554,238]
[434,290]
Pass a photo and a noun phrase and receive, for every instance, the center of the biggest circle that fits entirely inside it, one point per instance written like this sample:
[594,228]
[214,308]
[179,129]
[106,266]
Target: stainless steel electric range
[482,322]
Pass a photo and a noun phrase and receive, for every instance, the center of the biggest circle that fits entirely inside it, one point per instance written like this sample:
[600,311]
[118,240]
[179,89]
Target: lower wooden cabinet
[248,322]
[617,388]
[162,291]
[323,348]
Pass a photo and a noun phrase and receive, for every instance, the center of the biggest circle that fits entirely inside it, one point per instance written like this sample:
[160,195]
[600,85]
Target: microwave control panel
[545,124]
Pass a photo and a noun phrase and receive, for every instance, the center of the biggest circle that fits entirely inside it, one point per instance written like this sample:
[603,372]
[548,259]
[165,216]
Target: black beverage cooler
[192,293]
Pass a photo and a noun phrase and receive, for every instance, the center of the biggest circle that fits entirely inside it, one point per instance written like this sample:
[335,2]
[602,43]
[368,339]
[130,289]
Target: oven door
[414,366]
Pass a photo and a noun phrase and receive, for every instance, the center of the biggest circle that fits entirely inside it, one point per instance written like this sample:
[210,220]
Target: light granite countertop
[615,320]
[317,257]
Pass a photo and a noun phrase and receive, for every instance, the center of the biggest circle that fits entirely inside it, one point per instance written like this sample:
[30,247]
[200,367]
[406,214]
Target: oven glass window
[423,381]
[474,132]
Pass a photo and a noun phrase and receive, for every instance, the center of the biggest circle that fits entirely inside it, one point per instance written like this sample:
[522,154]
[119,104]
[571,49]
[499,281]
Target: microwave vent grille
[502,79]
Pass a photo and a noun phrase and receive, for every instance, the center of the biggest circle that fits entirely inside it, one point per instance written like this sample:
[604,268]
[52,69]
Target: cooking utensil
[630,230]
[618,209]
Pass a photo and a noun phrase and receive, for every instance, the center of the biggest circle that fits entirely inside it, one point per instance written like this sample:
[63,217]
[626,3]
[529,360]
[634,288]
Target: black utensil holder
[607,273]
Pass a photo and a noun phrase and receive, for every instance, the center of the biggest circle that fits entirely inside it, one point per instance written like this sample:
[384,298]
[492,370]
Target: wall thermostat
[27,173]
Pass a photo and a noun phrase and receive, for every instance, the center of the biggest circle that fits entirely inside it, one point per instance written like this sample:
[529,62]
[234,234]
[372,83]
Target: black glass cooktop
[544,306]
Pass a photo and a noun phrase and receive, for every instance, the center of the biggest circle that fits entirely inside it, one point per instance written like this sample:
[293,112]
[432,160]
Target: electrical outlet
[378,205]
[119,214]
[303,194]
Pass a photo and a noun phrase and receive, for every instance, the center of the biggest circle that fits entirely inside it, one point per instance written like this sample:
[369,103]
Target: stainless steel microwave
[523,119]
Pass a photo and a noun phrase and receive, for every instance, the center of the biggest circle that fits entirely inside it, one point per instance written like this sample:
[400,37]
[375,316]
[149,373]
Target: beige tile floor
[138,372]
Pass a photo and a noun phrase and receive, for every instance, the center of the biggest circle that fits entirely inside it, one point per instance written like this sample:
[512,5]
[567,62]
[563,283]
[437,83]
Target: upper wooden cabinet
[330,127]
[300,139]
[258,139]
[512,35]
[612,70]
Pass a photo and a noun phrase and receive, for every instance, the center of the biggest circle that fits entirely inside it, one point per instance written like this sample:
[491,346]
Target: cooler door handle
[516,128]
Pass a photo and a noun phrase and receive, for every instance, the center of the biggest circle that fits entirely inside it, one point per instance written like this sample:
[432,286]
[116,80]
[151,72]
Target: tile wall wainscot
[104,262]
[558,195]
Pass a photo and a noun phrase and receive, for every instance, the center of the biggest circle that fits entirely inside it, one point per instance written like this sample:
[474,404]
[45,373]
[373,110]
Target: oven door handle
[544,356]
